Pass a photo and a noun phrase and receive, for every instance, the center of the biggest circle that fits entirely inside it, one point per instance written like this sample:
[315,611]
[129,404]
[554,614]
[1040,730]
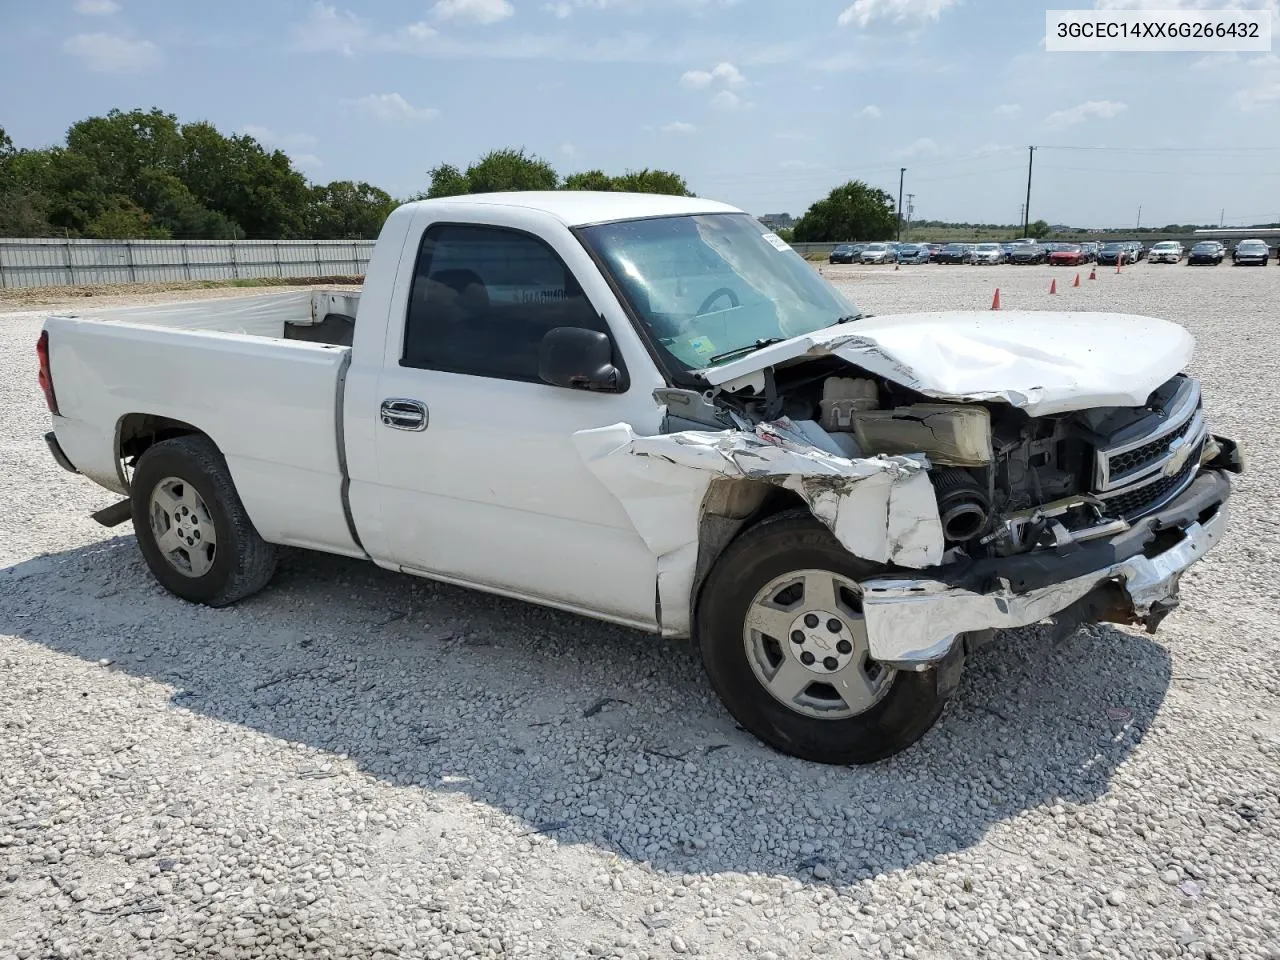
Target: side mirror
[579,359]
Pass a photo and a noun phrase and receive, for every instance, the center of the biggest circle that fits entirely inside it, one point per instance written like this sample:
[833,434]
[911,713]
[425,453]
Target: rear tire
[192,528]
[866,712]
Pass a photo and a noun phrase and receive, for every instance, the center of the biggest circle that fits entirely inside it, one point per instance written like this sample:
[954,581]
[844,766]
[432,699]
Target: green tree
[447,181]
[596,180]
[652,181]
[503,170]
[344,210]
[1038,229]
[853,211]
[122,219]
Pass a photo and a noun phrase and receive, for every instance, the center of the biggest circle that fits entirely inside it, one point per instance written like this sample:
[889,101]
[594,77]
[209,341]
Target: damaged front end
[987,511]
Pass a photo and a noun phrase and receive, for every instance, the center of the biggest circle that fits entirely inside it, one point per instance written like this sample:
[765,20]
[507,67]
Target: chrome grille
[1129,504]
[1139,476]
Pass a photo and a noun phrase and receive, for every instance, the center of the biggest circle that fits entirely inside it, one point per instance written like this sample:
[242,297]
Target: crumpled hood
[1040,362]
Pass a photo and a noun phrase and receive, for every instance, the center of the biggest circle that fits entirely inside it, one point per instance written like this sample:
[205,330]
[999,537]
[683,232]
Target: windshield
[708,285]
[1206,245]
[1251,245]
[1115,246]
[1165,245]
[989,247]
[876,247]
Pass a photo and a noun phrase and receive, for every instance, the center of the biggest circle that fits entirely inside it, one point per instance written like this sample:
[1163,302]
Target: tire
[899,706]
[187,478]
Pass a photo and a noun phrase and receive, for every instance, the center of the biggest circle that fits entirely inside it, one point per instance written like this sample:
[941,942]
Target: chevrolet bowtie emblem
[1180,452]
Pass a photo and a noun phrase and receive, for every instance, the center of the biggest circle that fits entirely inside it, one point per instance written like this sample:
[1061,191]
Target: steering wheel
[716,295]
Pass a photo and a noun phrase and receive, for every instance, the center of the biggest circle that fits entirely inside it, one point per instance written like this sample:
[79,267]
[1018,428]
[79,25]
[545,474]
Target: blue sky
[766,104]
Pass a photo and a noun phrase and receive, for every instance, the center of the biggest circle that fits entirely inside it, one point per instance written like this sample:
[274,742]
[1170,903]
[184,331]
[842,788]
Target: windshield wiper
[744,351]
[852,317]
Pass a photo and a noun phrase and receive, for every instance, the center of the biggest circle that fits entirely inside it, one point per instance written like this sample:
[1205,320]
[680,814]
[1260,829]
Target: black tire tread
[903,716]
[254,560]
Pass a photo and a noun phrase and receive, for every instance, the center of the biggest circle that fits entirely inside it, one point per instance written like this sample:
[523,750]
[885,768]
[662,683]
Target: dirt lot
[360,764]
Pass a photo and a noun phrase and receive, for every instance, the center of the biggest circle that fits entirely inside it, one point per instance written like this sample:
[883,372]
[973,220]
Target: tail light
[46,375]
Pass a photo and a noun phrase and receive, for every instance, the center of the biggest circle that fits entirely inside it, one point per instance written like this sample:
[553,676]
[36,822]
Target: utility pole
[1138,226]
[1026,210]
[902,172]
[1222,218]
[911,208]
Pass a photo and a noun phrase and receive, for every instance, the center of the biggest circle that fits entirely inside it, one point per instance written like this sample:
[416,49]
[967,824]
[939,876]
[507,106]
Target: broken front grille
[1132,503]
[1131,461]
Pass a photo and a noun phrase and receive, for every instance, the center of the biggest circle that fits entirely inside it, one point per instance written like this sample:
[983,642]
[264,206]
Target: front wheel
[192,529]
[784,643]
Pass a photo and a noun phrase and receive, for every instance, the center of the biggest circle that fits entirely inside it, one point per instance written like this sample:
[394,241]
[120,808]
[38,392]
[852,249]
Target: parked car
[1025,253]
[1165,251]
[1138,250]
[1250,252]
[934,250]
[1114,252]
[956,253]
[845,253]
[913,253]
[489,411]
[878,253]
[1207,251]
[989,253]
[1067,255]
[1090,251]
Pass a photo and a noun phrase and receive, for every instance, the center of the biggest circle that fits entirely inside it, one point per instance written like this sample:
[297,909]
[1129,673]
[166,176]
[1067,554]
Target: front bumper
[1130,578]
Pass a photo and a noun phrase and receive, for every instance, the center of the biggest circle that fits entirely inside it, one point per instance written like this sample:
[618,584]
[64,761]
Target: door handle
[400,414]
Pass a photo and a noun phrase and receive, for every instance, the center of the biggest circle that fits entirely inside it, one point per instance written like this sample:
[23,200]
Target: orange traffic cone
[1053,285]
[1077,282]
[1093,274]
[995,301]
[1119,262]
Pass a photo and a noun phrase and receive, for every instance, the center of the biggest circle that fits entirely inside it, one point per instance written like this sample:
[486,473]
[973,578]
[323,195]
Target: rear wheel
[192,529]
[784,643]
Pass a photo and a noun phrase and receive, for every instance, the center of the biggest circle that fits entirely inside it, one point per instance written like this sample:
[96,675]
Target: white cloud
[1262,89]
[330,30]
[726,100]
[863,13]
[391,108]
[725,73]
[107,53]
[288,141]
[477,11]
[922,147]
[96,8]
[1184,4]
[869,112]
[306,160]
[559,10]
[568,149]
[679,126]
[1102,109]
[1008,110]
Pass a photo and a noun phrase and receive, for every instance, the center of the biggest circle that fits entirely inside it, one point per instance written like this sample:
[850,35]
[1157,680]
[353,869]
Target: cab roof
[576,208]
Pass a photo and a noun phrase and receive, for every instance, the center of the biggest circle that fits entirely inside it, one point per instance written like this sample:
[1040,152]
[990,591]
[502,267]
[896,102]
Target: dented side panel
[882,509]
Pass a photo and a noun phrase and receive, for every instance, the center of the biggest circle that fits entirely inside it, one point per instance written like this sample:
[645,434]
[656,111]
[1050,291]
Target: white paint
[1043,363]
[267,404]
[880,508]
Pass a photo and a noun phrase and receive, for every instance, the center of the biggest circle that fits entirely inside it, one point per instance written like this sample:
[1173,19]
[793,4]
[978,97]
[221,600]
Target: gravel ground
[359,764]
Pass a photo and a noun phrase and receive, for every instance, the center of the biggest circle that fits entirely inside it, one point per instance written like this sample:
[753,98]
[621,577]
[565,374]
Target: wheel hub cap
[183,527]
[806,641]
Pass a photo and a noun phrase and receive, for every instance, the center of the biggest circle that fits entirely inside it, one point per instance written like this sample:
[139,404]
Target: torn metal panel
[1041,362]
[881,509]
[915,621]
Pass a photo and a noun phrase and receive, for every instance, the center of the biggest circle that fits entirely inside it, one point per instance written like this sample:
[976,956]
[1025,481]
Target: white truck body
[602,501]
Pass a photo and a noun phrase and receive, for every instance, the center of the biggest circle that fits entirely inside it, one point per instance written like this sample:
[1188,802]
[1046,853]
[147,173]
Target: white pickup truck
[652,411]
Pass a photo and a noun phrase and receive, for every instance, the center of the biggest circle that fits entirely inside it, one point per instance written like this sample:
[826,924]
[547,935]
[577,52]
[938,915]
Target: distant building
[778,221]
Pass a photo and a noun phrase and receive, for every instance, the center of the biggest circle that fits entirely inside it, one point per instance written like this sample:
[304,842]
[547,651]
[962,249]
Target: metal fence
[51,263]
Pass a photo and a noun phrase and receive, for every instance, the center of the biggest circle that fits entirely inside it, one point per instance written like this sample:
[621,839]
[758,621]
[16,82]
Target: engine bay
[1006,483]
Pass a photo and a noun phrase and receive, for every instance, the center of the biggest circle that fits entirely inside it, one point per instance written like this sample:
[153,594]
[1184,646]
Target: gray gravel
[358,764]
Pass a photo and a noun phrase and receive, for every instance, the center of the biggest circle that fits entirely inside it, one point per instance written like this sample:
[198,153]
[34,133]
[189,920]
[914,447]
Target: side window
[483,298]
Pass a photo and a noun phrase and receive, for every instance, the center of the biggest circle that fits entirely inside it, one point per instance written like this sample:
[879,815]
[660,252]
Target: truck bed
[315,316]
[272,403]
